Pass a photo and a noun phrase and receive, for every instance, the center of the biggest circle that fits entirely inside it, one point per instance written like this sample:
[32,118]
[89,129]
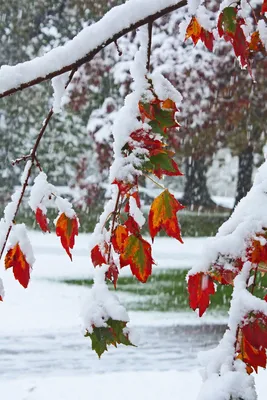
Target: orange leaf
[66,229]
[137,253]
[41,219]
[162,215]
[119,236]
[97,257]
[193,30]
[21,269]
[200,287]
[255,42]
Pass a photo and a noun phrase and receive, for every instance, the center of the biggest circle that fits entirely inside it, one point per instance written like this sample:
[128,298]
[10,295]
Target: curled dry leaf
[67,229]
[21,269]
[163,215]
[41,219]
[200,287]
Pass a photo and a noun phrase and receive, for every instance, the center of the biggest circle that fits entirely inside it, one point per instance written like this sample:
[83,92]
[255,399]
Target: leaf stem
[156,183]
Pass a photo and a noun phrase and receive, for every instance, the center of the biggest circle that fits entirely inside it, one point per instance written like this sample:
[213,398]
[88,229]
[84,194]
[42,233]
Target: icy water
[165,348]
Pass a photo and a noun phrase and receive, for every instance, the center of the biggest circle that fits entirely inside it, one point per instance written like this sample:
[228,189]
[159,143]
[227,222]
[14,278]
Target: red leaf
[162,215]
[97,257]
[112,274]
[67,229]
[264,7]
[21,269]
[207,38]
[41,219]
[132,225]
[136,196]
[200,287]
[137,253]
[251,356]
[255,330]
[124,187]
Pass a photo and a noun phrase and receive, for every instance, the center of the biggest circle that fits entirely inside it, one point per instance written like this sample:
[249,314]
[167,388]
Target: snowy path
[44,354]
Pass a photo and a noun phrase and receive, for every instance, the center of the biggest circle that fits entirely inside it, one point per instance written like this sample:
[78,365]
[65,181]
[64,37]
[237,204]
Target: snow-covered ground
[45,356]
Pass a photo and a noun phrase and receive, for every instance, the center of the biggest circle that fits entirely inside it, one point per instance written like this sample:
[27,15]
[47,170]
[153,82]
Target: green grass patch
[166,291]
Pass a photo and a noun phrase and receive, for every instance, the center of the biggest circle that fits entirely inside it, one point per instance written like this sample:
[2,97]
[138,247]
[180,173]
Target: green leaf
[156,128]
[113,334]
[229,19]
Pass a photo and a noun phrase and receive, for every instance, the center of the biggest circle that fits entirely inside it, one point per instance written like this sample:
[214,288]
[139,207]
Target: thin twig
[156,183]
[88,57]
[113,223]
[149,27]
[32,157]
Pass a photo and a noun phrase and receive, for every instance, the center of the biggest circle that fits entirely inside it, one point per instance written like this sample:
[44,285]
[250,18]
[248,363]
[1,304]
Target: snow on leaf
[200,287]
[41,219]
[162,215]
[112,334]
[16,259]
[67,229]
[137,253]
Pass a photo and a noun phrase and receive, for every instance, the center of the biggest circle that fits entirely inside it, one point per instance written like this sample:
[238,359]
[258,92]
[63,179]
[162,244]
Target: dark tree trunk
[196,192]
[245,168]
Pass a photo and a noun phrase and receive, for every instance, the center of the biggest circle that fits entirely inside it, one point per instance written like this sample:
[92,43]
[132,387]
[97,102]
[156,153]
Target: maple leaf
[255,330]
[163,164]
[97,257]
[162,215]
[200,287]
[41,219]
[124,187]
[207,38]
[21,269]
[251,356]
[113,334]
[137,254]
[229,26]
[193,30]
[257,253]
[264,7]
[112,274]
[119,237]
[255,42]
[67,229]
[132,225]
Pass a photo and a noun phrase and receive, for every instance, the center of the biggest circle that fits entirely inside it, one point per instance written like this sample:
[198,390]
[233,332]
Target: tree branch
[90,55]
[32,156]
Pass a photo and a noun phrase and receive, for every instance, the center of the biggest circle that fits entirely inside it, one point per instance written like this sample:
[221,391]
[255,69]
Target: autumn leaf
[200,287]
[113,334]
[230,27]
[255,330]
[41,219]
[207,38]
[257,252]
[119,237]
[137,254]
[21,269]
[97,257]
[264,7]
[163,164]
[67,229]
[193,30]
[162,215]
[250,355]
[112,274]
[255,42]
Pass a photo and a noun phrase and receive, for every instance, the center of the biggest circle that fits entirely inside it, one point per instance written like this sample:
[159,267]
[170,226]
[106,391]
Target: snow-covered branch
[83,47]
